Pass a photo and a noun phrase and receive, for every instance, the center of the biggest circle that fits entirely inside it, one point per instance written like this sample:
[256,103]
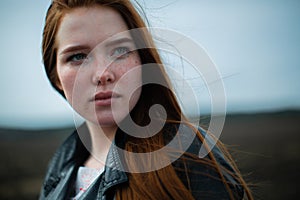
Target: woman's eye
[77,58]
[120,52]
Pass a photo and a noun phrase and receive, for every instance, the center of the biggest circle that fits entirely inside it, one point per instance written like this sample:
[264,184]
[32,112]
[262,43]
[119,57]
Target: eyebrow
[107,44]
[73,48]
[119,41]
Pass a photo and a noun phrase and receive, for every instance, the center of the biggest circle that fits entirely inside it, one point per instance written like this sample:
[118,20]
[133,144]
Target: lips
[104,98]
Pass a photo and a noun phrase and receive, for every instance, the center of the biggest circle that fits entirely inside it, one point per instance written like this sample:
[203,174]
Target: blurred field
[266,147]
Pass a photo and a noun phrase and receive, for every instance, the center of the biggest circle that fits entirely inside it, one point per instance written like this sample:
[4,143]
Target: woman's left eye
[120,52]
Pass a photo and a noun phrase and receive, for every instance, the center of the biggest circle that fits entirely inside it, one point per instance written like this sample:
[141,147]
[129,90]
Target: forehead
[90,25]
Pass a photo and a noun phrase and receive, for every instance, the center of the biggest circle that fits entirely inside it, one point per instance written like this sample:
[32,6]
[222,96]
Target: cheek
[133,82]
[130,79]
[128,64]
[132,71]
[67,80]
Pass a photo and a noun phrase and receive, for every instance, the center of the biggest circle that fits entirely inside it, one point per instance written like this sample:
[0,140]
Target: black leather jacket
[62,172]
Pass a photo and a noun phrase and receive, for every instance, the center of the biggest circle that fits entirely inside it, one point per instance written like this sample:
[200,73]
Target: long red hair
[163,183]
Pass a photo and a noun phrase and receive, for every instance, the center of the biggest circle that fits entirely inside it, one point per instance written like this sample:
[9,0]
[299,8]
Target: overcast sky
[255,44]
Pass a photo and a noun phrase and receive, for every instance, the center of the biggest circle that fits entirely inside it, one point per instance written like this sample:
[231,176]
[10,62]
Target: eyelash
[122,55]
[71,59]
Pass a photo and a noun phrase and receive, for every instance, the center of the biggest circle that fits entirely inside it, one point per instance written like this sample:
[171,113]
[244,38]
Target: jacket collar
[114,172]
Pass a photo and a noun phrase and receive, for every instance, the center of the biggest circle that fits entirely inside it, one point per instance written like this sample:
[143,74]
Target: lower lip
[103,102]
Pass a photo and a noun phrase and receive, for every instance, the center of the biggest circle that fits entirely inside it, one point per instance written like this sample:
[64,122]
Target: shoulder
[197,169]
[70,151]
[60,163]
[64,154]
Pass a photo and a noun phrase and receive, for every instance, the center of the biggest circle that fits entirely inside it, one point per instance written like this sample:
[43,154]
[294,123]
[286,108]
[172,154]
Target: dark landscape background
[265,145]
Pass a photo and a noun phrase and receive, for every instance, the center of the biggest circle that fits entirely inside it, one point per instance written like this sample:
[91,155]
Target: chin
[106,123]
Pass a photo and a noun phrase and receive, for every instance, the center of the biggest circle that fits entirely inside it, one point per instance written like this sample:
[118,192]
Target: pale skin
[88,72]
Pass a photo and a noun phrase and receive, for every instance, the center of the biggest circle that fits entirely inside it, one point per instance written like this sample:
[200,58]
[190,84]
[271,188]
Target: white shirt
[85,177]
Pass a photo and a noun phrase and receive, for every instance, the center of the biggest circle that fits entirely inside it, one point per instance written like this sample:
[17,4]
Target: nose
[103,76]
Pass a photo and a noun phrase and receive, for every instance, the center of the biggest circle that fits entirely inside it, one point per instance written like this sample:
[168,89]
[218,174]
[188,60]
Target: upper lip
[105,95]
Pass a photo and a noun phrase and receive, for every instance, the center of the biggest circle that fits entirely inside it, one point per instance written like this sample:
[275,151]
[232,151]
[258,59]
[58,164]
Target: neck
[101,138]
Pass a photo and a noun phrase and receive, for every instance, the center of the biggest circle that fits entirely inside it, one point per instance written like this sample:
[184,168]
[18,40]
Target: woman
[100,67]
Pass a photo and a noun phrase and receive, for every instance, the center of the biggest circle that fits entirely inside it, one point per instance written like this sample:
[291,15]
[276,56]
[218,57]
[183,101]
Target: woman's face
[90,62]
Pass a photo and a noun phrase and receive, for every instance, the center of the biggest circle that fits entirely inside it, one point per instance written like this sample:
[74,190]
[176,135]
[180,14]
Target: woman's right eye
[77,58]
